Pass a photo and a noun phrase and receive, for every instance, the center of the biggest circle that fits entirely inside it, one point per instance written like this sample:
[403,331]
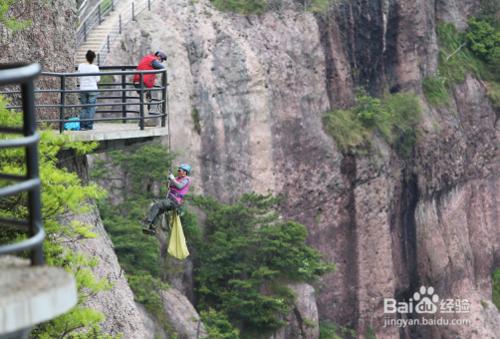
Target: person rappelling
[178,187]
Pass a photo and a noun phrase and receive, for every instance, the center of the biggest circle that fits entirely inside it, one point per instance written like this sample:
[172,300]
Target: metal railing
[24,76]
[125,17]
[94,18]
[127,102]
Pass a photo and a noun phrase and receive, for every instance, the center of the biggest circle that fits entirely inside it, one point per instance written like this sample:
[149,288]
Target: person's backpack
[72,125]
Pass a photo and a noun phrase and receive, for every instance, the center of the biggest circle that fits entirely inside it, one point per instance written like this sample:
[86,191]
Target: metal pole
[164,97]
[61,103]
[99,12]
[149,5]
[141,102]
[112,5]
[98,59]
[124,97]
[85,31]
[107,42]
[133,12]
[29,128]
[120,24]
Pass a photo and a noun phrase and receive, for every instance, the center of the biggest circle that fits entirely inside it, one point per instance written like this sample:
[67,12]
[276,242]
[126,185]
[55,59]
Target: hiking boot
[149,231]
[147,227]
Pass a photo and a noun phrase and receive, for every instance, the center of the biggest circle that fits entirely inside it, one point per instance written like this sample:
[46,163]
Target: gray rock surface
[303,321]
[117,304]
[48,40]
[258,86]
[182,316]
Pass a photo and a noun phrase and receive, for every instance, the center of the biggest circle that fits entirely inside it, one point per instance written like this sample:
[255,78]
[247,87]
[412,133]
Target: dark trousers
[148,93]
[159,208]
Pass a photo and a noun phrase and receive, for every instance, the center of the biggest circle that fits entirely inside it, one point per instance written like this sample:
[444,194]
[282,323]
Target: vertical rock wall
[49,40]
[247,96]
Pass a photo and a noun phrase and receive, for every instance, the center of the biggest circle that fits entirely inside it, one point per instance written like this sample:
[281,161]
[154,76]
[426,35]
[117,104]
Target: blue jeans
[88,98]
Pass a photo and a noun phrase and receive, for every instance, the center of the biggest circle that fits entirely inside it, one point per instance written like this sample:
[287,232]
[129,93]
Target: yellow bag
[177,245]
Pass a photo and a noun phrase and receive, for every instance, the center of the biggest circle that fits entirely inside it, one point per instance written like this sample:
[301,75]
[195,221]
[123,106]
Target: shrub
[435,90]
[247,7]
[496,288]
[395,118]
[328,330]
[345,128]
[61,192]
[493,92]
[476,52]
[455,59]
[241,6]
[248,253]
[483,40]
[6,20]
[218,325]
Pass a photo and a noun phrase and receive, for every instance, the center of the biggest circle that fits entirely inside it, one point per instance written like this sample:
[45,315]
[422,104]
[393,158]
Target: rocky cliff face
[49,40]
[257,87]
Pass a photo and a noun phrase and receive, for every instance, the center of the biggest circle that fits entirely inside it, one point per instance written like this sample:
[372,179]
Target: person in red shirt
[148,63]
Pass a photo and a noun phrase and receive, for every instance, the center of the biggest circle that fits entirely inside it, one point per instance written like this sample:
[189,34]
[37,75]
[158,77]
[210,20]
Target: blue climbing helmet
[186,168]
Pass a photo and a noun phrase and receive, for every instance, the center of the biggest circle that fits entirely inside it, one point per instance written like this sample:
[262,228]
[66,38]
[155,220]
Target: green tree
[247,257]
[141,169]
[61,192]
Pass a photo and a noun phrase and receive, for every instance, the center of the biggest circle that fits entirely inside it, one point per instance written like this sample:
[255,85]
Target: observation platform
[114,131]
[125,113]
[117,135]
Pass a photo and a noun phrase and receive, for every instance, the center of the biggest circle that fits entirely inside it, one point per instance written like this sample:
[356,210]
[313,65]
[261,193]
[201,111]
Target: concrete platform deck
[117,131]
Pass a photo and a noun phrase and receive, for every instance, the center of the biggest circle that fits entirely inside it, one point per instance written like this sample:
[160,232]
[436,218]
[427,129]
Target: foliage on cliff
[12,23]
[137,253]
[394,117]
[328,330]
[248,255]
[475,51]
[141,170]
[496,287]
[61,191]
[260,6]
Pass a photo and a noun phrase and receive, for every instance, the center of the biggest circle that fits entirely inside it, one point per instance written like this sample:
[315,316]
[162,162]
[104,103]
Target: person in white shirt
[89,85]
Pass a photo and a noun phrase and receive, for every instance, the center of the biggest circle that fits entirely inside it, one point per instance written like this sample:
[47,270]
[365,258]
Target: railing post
[29,128]
[107,42]
[141,102]
[85,31]
[124,96]
[120,24]
[149,5]
[99,12]
[133,12]
[164,97]
[62,103]
[98,59]
[112,5]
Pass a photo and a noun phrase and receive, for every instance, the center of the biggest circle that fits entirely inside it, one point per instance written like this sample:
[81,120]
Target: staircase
[101,36]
